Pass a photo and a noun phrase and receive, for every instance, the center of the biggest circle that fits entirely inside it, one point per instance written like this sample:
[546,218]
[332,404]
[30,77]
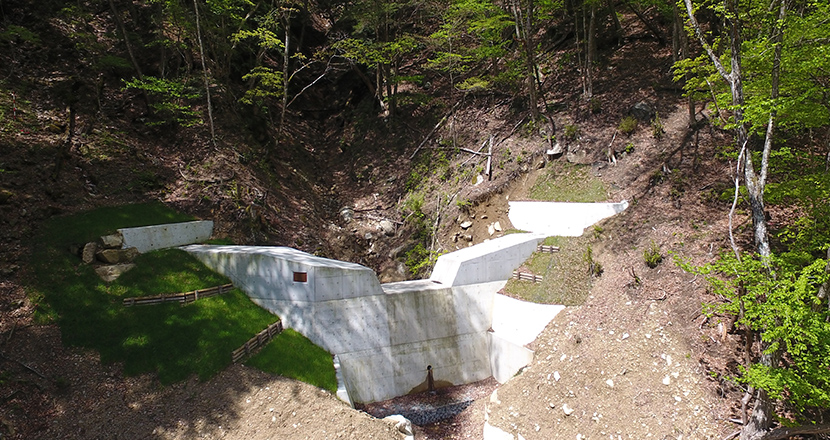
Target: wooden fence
[257,342]
[546,248]
[181,298]
[526,276]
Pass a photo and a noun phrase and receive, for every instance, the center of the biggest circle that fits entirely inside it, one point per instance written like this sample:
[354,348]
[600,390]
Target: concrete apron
[384,336]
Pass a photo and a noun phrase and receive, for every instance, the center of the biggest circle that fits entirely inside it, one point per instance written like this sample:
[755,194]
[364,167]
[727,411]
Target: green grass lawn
[170,340]
[565,274]
[565,182]
[292,355]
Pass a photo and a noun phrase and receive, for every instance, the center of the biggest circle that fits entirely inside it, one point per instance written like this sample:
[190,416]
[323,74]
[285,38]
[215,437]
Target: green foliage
[594,267]
[292,355]
[782,303]
[571,132]
[419,259]
[657,130]
[14,33]
[805,62]
[596,105]
[652,255]
[627,125]
[169,100]
[268,83]
[801,183]
[471,35]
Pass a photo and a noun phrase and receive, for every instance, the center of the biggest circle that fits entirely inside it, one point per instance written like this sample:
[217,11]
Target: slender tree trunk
[204,71]
[285,76]
[123,30]
[523,23]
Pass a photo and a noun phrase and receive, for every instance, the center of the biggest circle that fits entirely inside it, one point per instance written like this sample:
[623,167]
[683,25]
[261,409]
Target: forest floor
[636,360]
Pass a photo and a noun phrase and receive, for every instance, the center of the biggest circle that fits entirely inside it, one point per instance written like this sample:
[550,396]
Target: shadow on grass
[171,340]
[292,355]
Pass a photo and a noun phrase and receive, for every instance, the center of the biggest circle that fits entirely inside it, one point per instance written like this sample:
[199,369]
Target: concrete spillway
[560,218]
[384,336]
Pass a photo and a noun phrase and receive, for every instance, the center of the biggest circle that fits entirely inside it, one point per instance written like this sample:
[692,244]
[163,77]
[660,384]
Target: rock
[112,241]
[567,409]
[466,225]
[387,227]
[402,424]
[347,214]
[468,237]
[368,236]
[577,155]
[556,376]
[642,111]
[491,229]
[5,196]
[88,253]
[610,383]
[112,272]
[117,256]
[479,180]
[666,380]
[557,150]
[497,226]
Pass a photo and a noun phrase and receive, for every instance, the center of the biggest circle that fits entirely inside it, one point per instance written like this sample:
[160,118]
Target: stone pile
[107,256]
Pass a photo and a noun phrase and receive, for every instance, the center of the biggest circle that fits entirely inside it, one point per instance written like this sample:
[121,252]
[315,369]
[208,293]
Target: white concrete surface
[520,321]
[493,433]
[384,336]
[515,324]
[493,260]
[560,218]
[151,238]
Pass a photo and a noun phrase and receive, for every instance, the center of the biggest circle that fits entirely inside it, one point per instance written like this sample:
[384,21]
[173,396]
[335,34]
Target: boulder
[347,214]
[642,111]
[117,256]
[112,272]
[88,253]
[112,241]
[402,424]
[387,227]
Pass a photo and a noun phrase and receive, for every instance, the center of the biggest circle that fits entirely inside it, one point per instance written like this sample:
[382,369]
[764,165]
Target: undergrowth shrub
[652,255]
[627,125]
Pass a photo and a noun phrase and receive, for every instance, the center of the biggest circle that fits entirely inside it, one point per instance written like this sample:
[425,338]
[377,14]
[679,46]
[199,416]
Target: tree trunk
[204,71]
[524,26]
[285,76]
[123,30]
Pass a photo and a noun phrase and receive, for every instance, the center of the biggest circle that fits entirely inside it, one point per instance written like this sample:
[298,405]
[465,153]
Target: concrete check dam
[383,336]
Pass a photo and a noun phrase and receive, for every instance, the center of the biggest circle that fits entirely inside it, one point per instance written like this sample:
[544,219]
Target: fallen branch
[781,433]
[24,365]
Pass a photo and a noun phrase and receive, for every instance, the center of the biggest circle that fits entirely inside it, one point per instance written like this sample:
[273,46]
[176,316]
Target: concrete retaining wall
[151,238]
[384,336]
[493,260]
[560,218]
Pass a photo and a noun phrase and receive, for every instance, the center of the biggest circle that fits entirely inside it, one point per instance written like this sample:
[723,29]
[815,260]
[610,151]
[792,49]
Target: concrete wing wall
[493,260]
[151,238]
[560,218]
